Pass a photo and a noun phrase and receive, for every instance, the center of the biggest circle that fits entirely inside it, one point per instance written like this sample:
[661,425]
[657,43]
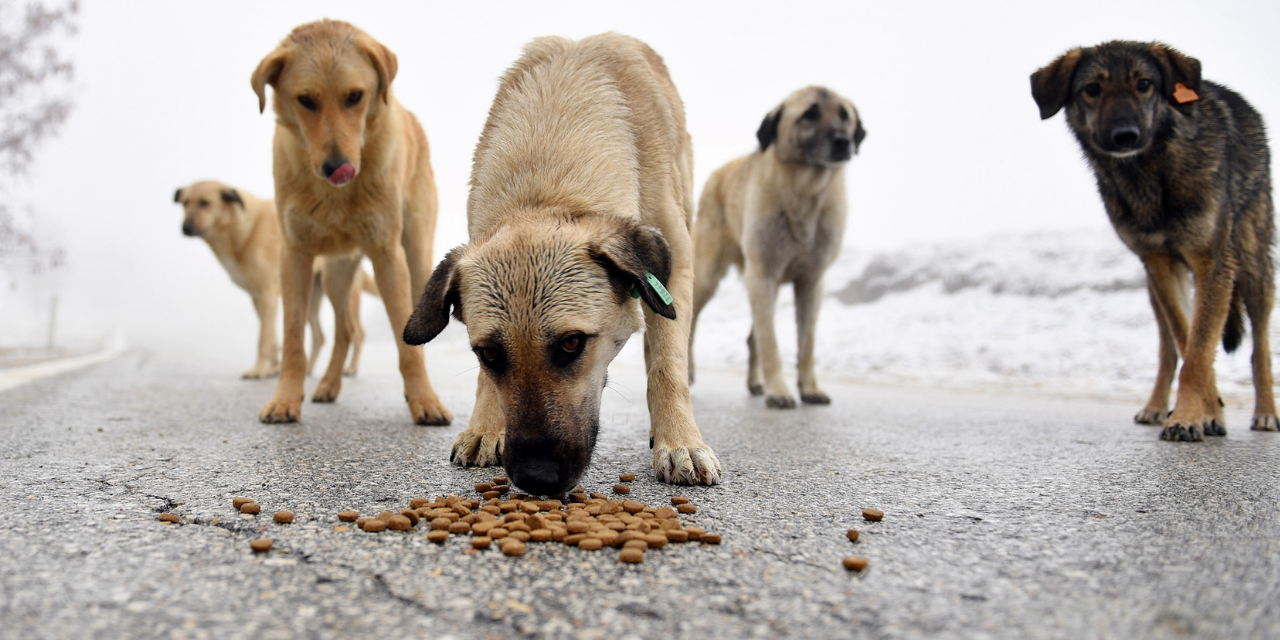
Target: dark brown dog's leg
[339,278]
[1196,412]
[295,284]
[1259,299]
[1165,287]
[808,302]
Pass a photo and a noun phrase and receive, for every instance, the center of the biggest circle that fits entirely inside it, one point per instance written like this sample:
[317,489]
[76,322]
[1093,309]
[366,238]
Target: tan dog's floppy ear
[384,62]
[768,131]
[177,195]
[635,256]
[1176,68]
[1051,85]
[268,73]
[858,134]
[432,314]
[230,196]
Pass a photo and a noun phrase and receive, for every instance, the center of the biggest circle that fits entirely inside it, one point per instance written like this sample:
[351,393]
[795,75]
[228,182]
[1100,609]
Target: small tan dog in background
[353,177]
[778,215]
[244,234]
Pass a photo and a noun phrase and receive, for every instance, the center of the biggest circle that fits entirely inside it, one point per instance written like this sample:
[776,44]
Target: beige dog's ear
[858,135]
[268,73]
[177,195]
[638,260]
[385,63]
[231,196]
[768,131]
[1051,85]
[432,313]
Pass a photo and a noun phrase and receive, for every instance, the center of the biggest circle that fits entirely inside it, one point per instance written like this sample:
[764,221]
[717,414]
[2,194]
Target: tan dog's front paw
[326,391]
[695,464]
[476,449]
[1151,415]
[1265,422]
[783,401]
[816,396]
[428,411]
[351,371]
[278,411]
[259,372]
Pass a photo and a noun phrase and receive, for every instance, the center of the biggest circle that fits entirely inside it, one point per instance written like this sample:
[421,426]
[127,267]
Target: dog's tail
[368,284]
[1233,332]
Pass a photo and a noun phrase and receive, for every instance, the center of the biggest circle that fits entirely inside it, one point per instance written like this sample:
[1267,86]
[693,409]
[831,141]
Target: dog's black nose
[331,164]
[1125,136]
[537,476]
[840,145]
[189,229]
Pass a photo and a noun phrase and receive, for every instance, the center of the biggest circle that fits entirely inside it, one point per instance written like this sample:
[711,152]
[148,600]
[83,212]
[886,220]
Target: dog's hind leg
[762,290]
[295,279]
[268,363]
[808,301]
[1259,297]
[754,386]
[357,328]
[313,321]
[339,278]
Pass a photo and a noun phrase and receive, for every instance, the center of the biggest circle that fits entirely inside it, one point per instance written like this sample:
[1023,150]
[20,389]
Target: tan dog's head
[209,207]
[815,125]
[331,81]
[1120,96]
[548,304]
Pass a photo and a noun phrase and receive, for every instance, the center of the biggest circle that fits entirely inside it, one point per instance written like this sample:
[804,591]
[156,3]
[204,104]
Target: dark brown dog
[1184,172]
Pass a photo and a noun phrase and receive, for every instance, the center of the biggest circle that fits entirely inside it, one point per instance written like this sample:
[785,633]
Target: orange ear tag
[1183,95]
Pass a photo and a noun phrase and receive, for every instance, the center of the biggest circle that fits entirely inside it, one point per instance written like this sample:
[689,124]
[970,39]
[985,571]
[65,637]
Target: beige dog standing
[244,234]
[778,215]
[353,176]
[580,198]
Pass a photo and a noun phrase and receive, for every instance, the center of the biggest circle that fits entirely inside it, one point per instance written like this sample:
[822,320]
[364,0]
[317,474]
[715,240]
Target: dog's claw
[780,402]
[1182,432]
[472,449]
[258,373]
[1215,428]
[816,397]
[430,412]
[1153,416]
[326,392]
[686,465]
[278,411]
[755,389]
[1265,422]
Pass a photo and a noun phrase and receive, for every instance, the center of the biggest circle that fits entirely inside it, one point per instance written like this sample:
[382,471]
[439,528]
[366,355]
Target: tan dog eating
[353,177]
[580,199]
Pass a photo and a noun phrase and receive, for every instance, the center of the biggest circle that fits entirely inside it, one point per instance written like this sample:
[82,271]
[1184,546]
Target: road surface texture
[1005,516]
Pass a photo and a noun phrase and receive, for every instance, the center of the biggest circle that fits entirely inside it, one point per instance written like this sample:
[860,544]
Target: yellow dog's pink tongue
[342,175]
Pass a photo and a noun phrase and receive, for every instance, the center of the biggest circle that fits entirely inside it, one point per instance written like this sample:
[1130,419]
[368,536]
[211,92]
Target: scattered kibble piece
[631,555]
[513,548]
[621,489]
[627,477]
[169,518]
[240,501]
[679,500]
[855,564]
[283,517]
[349,516]
[710,538]
[375,525]
[261,545]
[437,536]
[250,507]
[687,508]
[874,515]
[853,535]
[418,503]
[399,523]
[501,480]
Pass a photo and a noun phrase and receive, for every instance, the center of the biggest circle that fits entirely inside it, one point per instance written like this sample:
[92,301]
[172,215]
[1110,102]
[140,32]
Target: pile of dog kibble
[588,521]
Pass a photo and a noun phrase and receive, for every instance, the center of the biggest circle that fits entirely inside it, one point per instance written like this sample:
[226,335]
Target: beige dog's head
[815,125]
[209,207]
[548,304]
[331,81]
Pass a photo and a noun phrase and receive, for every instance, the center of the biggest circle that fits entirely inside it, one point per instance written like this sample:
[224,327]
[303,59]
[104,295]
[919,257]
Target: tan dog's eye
[1093,90]
[307,103]
[1144,85]
[203,203]
[571,344]
[813,114]
[354,98]
[844,114]
[489,355]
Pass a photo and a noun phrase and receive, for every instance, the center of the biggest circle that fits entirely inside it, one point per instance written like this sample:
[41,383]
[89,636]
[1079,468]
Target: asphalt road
[1006,516]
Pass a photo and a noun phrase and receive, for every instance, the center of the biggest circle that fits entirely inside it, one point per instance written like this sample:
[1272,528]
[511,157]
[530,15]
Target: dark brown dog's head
[815,125]
[548,304]
[208,207]
[331,80]
[1119,95]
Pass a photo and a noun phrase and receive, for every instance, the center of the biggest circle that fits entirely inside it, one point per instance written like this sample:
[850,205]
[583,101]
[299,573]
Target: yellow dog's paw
[261,371]
[1265,422]
[326,391]
[278,411]
[686,465]
[429,411]
[475,449]
[1151,415]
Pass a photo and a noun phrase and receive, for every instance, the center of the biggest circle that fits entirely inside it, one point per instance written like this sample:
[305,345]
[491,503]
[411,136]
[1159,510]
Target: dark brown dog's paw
[1182,432]
[755,389]
[780,402]
[1265,422]
[815,398]
[279,411]
[1152,416]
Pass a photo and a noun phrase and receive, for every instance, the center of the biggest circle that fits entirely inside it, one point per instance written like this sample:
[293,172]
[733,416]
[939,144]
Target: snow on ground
[1062,313]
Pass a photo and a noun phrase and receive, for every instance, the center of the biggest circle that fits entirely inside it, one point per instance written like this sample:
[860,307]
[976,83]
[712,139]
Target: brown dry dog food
[260,545]
[360,522]
[678,500]
[399,523]
[437,536]
[687,508]
[627,477]
[513,547]
[481,542]
[621,489]
[250,507]
[656,540]
[522,536]
[501,480]
[631,555]
[853,535]
[418,503]
[460,527]
[632,506]
[677,535]
[283,517]
[240,501]
[411,515]
[375,525]
[695,533]
[636,543]
[710,538]
[665,513]
[170,518]
[874,515]
[855,564]
[384,516]
[590,544]
[441,524]
[349,516]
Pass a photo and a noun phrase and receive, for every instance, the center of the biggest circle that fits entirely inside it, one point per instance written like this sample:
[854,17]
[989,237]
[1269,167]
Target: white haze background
[958,181]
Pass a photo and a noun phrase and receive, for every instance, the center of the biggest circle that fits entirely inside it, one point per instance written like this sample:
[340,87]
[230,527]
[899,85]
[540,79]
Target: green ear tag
[658,288]
[635,292]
